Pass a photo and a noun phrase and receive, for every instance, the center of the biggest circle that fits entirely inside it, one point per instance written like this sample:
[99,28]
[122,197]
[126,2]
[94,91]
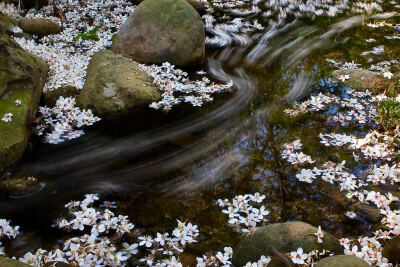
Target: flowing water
[160,167]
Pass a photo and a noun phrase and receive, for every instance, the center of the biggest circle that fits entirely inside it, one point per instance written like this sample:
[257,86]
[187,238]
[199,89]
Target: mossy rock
[7,262]
[51,97]
[6,23]
[196,4]
[162,31]
[362,80]
[115,84]
[391,250]
[39,26]
[342,261]
[22,76]
[284,237]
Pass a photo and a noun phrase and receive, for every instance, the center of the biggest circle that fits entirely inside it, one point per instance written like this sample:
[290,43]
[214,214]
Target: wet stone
[391,250]
[342,260]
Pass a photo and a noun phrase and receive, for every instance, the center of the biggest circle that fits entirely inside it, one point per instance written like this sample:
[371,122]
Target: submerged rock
[22,76]
[39,26]
[50,98]
[284,237]
[20,186]
[331,192]
[7,262]
[391,250]
[362,80]
[342,260]
[162,31]
[115,84]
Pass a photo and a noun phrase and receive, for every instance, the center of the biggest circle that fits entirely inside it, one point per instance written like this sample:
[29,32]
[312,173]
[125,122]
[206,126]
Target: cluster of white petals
[106,244]
[68,57]
[290,154]
[176,87]
[63,121]
[244,213]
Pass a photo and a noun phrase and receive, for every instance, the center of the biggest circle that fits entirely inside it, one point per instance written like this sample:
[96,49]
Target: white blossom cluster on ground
[67,57]
[176,87]
[63,121]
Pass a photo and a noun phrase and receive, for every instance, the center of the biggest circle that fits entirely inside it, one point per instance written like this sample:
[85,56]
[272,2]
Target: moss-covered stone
[39,26]
[342,260]
[196,4]
[114,84]
[284,237]
[7,262]
[391,250]
[22,76]
[6,23]
[362,80]
[50,98]
[160,31]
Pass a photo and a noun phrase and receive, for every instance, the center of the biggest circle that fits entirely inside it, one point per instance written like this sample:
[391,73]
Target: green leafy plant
[389,114]
[90,35]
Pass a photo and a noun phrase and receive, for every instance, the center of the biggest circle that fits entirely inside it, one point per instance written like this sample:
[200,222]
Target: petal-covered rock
[162,31]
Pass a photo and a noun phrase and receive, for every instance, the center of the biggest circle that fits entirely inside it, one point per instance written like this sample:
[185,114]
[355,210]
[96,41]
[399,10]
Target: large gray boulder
[162,31]
[115,84]
[22,76]
[196,4]
[342,261]
[284,237]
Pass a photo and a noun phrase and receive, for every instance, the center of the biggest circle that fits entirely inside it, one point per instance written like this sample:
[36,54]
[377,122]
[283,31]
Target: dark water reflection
[162,167]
